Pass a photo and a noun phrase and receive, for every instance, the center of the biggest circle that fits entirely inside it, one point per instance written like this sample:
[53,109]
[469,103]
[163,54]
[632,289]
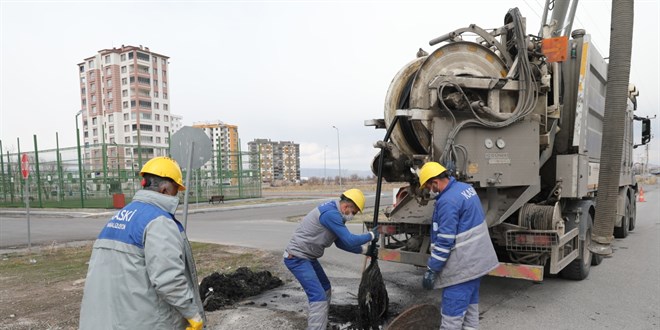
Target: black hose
[618,76]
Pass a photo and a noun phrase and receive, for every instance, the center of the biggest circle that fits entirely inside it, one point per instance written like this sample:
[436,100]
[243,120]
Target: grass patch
[52,265]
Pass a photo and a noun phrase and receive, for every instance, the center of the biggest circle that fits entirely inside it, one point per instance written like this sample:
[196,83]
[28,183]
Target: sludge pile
[220,290]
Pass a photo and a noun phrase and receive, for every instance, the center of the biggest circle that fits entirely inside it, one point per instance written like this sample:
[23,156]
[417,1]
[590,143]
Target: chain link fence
[107,176]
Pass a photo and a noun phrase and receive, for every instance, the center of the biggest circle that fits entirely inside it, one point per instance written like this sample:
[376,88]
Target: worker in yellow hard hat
[141,273]
[461,249]
[320,228]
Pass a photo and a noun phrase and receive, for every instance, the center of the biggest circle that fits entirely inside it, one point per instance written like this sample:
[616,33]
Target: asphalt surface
[621,293]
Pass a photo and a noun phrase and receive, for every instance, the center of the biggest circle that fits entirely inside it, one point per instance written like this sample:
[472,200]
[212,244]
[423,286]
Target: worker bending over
[322,226]
[461,249]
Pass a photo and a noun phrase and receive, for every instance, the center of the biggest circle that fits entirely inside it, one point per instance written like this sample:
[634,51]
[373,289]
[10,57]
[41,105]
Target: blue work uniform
[461,253]
[319,229]
[141,273]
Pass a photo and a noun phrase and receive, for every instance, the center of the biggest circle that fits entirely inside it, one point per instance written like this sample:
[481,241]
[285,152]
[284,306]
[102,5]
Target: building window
[82,79]
[157,139]
[83,91]
[95,132]
[157,128]
[142,80]
[94,121]
[92,77]
[167,129]
[125,105]
[166,107]
[93,98]
[108,70]
[108,83]
[157,117]
[124,93]
[124,81]
[164,84]
[84,101]
[123,69]
[126,115]
[123,57]
[155,72]
[111,129]
[166,118]
[109,105]
[82,68]
[165,96]
[94,109]
[127,139]
[143,69]
[109,95]
[127,128]
[145,115]
[156,107]
[92,86]
[164,74]
[86,135]
[143,56]
[130,55]
[90,64]
[133,116]
[132,103]
[107,59]
[155,93]
[163,62]
[110,117]
[145,104]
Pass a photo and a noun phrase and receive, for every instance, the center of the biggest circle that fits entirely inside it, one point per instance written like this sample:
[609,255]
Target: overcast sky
[279,70]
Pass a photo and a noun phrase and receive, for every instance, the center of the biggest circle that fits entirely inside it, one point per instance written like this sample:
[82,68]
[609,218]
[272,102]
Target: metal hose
[613,126]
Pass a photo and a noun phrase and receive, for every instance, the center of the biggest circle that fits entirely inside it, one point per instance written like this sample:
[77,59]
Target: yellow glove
[196,323]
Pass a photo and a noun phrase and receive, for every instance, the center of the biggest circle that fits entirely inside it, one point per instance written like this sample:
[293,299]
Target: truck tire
[622,231]
[579,268]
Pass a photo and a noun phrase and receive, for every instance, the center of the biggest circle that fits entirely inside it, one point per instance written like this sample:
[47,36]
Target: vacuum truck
[520,117]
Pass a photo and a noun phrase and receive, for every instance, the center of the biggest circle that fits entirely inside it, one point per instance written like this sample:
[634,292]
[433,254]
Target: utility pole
[338,154]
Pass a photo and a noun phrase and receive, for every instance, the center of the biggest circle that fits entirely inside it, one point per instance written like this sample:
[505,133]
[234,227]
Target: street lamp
[80,171]
[338,154]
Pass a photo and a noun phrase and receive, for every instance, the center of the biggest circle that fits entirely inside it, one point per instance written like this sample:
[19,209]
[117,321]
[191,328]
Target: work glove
[374,234]
[196,323]
[372,251]
[429,279]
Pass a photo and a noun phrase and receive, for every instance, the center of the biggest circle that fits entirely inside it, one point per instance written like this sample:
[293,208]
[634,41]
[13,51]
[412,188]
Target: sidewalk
[193,208]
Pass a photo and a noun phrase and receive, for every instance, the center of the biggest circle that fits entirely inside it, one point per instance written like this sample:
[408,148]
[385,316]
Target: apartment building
[225,144]
[277,160]
[125,107]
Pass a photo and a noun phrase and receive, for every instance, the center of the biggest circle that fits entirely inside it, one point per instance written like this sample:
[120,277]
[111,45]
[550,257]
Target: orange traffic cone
[641,194]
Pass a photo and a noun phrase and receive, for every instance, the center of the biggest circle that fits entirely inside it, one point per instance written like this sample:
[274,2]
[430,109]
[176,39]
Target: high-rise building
[225,144]
[277,160]
[125,107]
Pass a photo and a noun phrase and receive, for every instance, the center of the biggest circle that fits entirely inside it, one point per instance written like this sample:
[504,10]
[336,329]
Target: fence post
[81,181]
[21,184]
[60,176]
[36,159]
[2,167]
[240,170]
[11,178]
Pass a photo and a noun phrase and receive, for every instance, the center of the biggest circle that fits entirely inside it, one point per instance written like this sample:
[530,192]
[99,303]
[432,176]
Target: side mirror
[646,131]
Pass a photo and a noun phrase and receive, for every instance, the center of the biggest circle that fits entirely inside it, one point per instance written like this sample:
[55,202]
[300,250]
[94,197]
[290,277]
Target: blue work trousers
[311,276]
[460,306]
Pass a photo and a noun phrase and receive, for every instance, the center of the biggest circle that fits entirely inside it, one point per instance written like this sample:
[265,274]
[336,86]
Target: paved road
[622,292]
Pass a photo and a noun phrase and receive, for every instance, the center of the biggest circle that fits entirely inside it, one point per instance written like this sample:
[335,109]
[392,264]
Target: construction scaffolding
[107,176]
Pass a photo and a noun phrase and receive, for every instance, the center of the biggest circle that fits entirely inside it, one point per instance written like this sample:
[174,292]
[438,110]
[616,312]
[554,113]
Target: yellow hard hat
[356,196]
[164,167]
[428,171]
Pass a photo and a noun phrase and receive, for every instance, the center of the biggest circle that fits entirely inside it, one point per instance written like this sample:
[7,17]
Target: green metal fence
[107,176]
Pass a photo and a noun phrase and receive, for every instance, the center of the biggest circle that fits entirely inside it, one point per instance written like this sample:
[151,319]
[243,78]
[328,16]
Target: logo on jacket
[469,192]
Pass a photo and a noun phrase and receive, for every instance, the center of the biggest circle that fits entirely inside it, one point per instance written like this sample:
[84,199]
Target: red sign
[25,166]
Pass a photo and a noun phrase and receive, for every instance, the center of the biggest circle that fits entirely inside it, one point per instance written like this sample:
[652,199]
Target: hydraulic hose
[379,184]
[618,72]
